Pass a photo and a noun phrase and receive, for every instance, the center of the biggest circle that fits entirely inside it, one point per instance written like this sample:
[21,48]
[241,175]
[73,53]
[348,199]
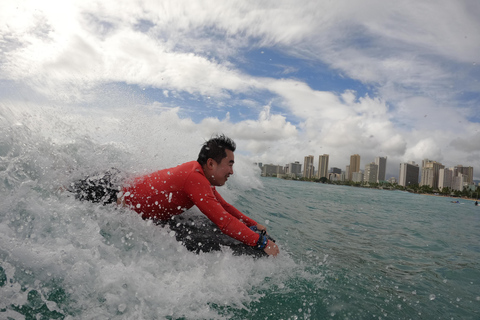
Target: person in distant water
[161,195]
[476,203]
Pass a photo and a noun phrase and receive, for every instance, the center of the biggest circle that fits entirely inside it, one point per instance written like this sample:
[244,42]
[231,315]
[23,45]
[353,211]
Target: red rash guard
[168,192]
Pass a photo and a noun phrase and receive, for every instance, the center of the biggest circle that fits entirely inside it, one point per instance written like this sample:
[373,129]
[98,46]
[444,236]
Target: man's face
[218,173]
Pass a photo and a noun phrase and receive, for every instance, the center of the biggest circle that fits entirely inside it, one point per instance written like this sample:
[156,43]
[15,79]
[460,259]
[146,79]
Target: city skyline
[428,171]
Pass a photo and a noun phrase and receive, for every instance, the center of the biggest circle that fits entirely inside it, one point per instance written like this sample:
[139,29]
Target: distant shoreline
[440,195]
[393,189]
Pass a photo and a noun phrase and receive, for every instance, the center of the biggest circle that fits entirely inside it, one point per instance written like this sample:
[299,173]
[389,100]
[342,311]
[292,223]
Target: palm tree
[446,191]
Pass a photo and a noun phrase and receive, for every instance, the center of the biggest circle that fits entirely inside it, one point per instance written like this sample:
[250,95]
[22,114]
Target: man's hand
[261,227]
[271,248]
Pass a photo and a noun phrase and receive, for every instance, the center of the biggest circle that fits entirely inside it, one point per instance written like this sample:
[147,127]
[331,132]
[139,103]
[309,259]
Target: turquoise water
[346,253]
[382,254]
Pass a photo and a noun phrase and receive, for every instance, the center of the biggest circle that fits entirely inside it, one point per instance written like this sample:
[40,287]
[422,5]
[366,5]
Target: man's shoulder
[191,166]
[193,173]
[186,170]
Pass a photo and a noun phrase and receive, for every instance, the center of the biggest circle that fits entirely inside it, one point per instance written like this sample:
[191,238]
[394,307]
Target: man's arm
[237,214]
[234,211]
[200,192]
[270,248]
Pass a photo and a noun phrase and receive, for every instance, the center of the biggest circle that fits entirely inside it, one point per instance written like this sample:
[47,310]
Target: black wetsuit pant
[100,188]
[198,234]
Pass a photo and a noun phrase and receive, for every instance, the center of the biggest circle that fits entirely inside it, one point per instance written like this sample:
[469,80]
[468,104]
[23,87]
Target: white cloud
[91,41]
[416,56]
[469,144]
[425,149]
[444,28]
[268,128]
[305,103]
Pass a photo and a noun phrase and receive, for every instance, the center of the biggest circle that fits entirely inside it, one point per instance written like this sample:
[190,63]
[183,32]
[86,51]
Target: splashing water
[345,252]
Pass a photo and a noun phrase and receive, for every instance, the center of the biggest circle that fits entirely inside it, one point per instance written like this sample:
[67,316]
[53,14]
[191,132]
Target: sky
[284,79]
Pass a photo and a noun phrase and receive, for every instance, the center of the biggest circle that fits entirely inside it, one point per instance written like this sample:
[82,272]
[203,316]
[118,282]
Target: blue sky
[284,78]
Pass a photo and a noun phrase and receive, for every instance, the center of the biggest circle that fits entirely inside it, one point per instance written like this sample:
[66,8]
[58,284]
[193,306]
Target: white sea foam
[106,261]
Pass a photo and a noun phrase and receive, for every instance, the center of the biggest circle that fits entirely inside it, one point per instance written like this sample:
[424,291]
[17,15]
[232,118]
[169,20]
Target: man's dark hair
[215,149]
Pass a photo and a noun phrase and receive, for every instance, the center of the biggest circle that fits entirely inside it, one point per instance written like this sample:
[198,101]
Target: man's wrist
[262,242]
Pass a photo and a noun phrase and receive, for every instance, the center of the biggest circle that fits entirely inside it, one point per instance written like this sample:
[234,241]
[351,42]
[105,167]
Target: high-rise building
[409,173]
[459,181]
[357,176]
[445,178]
[336,176]
[430,173]
[335,170]
[354,165]
[308,168]
[272,170]
[322,166]
[467,171]
[370,175]
[381,162]
[294,169]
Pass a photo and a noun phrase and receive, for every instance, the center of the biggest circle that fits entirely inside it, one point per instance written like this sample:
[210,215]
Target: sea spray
[62,258]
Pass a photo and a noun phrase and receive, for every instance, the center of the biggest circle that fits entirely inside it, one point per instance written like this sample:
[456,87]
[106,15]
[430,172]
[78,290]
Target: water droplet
[432,297]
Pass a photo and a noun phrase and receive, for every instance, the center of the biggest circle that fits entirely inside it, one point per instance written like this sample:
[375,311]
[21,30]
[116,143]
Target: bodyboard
[198,234]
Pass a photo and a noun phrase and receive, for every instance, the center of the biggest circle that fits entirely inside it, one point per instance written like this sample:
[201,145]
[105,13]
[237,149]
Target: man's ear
[210,163]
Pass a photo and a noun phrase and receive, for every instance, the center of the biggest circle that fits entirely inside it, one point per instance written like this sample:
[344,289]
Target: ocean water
[346,253]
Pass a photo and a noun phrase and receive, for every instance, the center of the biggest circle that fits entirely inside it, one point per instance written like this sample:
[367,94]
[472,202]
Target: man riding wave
[163,194]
